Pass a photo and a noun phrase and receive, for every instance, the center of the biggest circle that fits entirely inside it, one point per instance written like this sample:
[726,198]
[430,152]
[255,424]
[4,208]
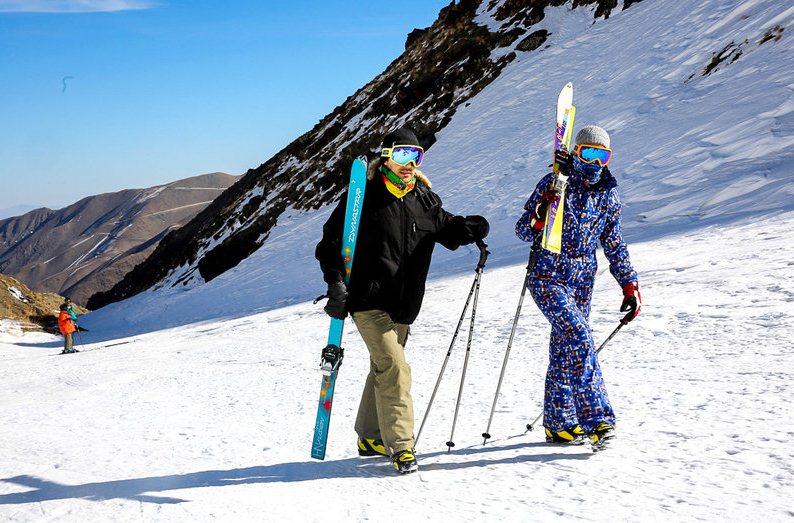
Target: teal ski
[333,352]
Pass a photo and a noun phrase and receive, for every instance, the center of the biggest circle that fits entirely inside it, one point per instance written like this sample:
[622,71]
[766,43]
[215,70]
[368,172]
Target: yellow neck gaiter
[395,185]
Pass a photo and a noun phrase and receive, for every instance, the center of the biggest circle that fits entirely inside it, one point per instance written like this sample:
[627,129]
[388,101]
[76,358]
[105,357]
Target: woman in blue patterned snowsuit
[576,404]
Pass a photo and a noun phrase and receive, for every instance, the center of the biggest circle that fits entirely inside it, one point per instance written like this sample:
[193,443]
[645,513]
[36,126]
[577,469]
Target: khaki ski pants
[386,410]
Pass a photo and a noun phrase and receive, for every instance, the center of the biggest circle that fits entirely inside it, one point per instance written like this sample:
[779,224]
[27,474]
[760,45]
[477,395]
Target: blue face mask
[589,171]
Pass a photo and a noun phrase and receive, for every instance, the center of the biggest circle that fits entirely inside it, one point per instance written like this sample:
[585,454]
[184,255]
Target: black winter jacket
[393,249]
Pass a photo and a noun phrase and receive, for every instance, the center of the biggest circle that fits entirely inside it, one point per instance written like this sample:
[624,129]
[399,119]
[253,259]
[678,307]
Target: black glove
[477,227]
[337,298]
[565,161]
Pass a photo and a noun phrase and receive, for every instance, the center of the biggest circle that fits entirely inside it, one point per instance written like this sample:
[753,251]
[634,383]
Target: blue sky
[103,95]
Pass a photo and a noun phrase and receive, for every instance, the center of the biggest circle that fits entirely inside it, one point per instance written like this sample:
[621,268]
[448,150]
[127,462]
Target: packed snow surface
[214,420]
[199,403]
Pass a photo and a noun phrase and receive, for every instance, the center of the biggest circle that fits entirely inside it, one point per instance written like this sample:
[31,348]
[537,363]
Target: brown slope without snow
[90,245]
[33,310]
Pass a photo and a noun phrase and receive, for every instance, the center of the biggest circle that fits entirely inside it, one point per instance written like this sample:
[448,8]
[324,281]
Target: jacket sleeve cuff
[331,277]
[630,287]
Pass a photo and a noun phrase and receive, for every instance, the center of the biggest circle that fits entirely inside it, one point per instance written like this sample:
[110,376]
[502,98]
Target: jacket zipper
[404,219]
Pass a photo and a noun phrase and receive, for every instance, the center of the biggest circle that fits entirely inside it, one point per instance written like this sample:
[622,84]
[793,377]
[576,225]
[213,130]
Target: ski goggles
[404,154]
[593,153]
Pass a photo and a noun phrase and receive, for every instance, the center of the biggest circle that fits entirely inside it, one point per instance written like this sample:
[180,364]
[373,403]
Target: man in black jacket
[401,221]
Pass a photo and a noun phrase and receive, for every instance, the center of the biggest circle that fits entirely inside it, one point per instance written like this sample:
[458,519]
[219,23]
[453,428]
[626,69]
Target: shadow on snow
[139,489]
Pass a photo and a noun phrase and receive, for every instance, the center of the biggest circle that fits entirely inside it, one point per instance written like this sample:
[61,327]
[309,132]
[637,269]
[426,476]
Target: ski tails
[333,352]
[563,133]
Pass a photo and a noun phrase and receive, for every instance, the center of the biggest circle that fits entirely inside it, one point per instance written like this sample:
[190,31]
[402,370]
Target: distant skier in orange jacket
[67,326]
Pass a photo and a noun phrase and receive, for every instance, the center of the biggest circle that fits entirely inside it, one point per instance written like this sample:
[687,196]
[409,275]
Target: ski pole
[486,435]
[444,366]
[622,324]
[531,426]
[480,266]
[452,343]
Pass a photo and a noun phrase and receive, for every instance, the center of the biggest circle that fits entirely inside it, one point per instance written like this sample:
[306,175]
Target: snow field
[214,420]
[198,404]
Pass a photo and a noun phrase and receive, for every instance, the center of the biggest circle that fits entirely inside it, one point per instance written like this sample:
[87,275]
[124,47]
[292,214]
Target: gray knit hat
[593,135]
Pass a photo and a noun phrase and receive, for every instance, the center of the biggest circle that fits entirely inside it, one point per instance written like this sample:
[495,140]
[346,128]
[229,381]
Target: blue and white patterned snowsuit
[562,285]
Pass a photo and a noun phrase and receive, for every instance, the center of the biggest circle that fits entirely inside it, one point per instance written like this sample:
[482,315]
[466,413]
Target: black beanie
[401,136]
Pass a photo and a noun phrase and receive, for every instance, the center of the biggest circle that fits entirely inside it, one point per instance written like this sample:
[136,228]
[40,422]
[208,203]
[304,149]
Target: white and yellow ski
[563,133]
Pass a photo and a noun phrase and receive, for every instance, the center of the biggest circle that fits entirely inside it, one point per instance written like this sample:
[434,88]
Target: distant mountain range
[90,245]
[16,210]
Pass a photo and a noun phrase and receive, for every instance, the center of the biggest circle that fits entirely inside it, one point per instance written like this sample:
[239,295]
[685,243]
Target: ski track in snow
[177,208]
[198,403]
[214,420]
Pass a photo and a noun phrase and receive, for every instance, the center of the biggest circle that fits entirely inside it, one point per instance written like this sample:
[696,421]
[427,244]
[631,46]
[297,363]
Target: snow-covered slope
[213,421]
[690,150]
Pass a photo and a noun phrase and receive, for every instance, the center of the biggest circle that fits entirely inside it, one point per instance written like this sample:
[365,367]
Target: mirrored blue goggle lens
[593,154]
[406,155]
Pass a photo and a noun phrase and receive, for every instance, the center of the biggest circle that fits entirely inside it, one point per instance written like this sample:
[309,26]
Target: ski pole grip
[531,260]
[483,254]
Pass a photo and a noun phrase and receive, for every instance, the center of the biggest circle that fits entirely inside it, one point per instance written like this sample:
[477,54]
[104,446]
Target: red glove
[632,301]
[539,216]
